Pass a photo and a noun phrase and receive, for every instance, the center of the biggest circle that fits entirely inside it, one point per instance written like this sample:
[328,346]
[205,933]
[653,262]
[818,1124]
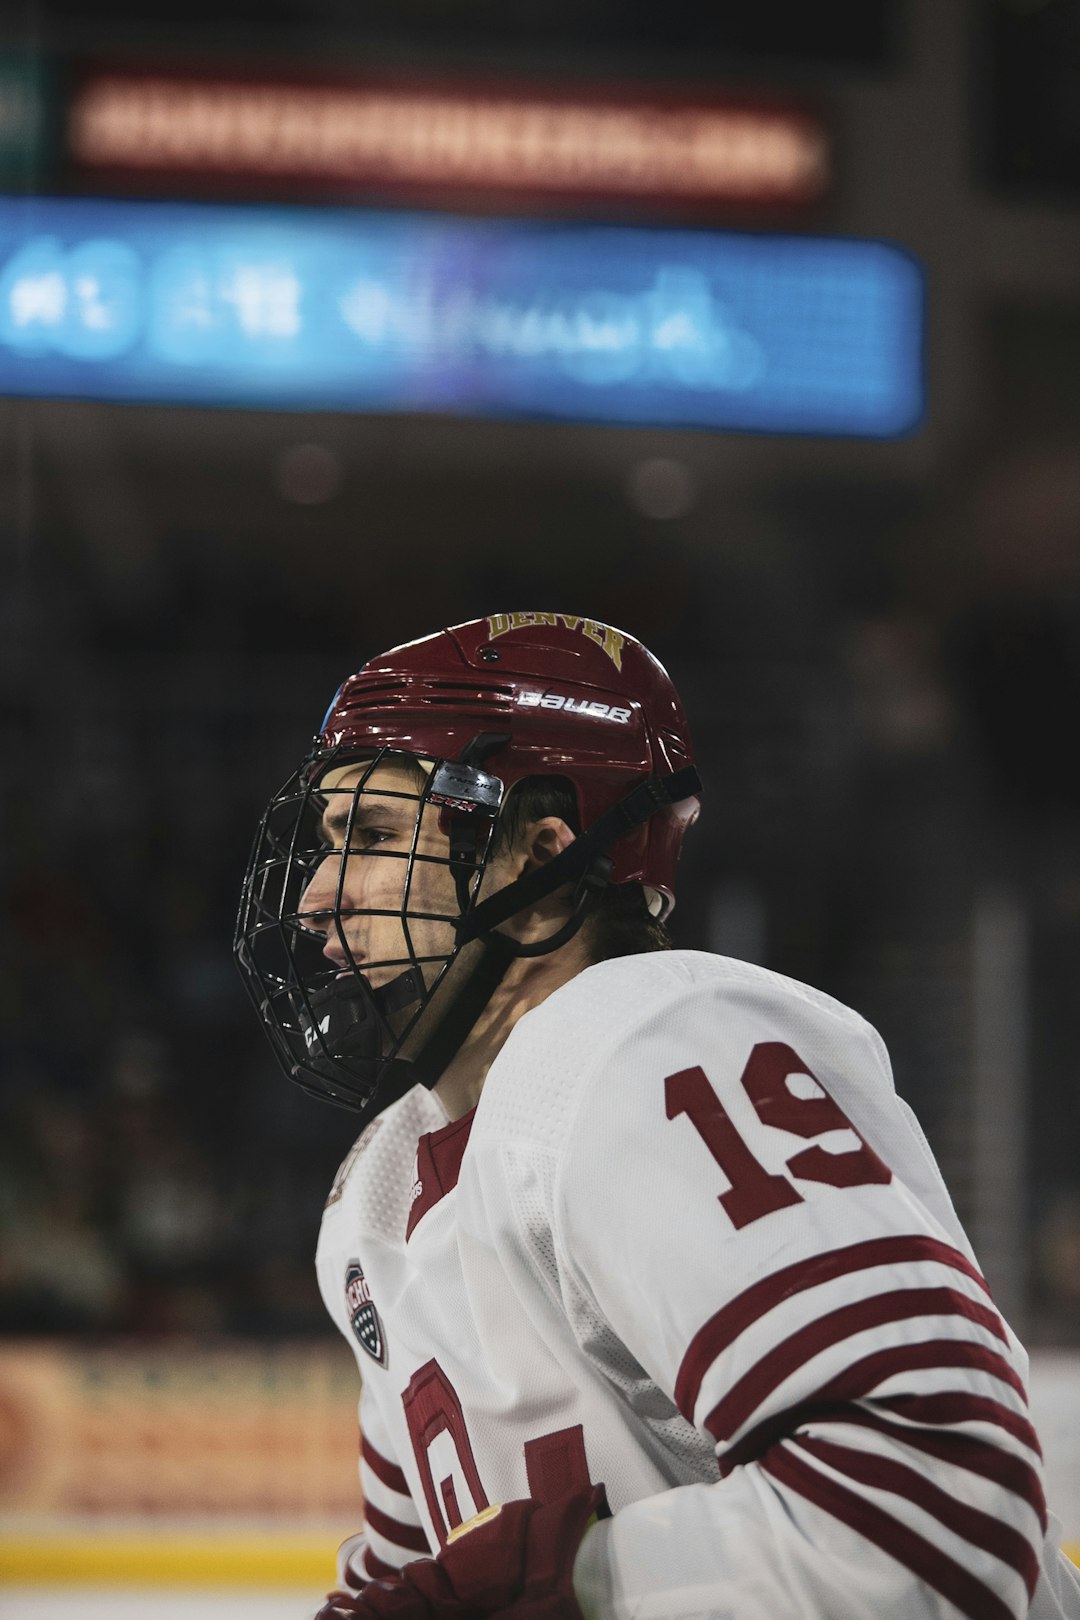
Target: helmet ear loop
[464,859]
[470,837]
[470,800]
[590,886]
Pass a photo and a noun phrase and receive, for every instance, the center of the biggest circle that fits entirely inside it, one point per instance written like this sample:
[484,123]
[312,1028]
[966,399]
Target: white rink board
[1054,1387]
[154,1603]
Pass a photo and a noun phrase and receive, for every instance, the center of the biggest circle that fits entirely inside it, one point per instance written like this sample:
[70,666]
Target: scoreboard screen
[351,311]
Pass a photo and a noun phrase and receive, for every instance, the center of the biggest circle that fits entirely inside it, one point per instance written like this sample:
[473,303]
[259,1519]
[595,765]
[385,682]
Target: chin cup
[348,1020]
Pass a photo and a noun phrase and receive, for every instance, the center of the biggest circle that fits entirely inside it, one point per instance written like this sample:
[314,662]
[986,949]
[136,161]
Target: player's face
[358,892]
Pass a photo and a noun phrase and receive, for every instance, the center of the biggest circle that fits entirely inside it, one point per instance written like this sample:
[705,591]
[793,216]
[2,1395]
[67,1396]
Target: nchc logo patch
[363,1316]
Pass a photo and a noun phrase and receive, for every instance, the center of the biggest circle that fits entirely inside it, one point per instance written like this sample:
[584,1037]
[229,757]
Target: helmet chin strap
[479,970]
[586,861]
[591,885]
[580,861]
[489,958]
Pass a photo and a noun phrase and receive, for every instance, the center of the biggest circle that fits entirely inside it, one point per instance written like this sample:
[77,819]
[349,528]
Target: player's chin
[377,977]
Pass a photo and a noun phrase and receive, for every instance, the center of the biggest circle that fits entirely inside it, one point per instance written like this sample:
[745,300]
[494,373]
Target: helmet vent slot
[446,692]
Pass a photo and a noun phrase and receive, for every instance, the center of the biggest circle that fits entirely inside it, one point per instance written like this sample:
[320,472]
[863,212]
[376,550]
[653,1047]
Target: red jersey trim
[756,1301]
[375,1568]
[974,1455]
[973,1524]
[970,1595]
[410,1536]
[390,1474]
[969,1452]
[903,1305]
[863,1376]
[960,1407]
[438,1165]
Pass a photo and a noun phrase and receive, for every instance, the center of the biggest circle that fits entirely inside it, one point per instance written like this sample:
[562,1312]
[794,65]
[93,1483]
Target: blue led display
[344,310]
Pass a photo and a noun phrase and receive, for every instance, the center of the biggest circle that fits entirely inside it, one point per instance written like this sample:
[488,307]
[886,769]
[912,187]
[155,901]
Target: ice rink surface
[154,1603]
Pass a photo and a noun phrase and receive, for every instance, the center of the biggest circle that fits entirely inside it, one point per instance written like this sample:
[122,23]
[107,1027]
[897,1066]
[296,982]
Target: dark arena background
[754,331]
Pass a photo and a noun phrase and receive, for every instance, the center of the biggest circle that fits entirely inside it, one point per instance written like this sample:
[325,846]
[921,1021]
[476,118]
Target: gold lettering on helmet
[500,623]
[518,621]
[613,645]
[607,639]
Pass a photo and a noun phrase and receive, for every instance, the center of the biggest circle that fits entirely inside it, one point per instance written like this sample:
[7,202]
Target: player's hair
[620,923]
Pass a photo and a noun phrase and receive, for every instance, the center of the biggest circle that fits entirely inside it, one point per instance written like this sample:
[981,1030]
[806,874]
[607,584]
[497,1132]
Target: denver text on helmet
[610,640]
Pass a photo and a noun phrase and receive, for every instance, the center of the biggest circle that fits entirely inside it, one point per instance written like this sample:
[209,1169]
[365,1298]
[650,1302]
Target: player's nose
[319,899]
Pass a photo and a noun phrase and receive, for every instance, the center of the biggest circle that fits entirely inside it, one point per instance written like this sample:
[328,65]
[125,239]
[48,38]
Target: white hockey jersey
[690,1244]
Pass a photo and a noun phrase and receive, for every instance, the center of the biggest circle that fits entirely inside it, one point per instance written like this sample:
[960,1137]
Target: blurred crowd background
[878,644]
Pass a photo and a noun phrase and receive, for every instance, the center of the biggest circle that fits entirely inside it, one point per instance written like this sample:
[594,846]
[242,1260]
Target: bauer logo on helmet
[572,705]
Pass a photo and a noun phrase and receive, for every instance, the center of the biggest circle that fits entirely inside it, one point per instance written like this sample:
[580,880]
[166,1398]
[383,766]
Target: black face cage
[339,1022]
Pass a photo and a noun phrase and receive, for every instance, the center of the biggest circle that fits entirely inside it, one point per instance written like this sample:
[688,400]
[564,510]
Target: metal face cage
[348,917]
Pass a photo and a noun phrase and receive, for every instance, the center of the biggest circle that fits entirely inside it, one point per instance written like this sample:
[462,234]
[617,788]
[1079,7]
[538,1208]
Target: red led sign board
[499,144]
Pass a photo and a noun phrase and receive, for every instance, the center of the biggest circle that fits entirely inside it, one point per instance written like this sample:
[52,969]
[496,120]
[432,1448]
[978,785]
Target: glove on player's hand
[513,1562]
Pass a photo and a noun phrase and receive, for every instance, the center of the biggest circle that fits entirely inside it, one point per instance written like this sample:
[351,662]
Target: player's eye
[370,837]
[332,839]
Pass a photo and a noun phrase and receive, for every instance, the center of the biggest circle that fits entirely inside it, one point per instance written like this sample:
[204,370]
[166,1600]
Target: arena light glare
[411,312]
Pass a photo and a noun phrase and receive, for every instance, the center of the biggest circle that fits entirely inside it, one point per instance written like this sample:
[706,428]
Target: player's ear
[541,841]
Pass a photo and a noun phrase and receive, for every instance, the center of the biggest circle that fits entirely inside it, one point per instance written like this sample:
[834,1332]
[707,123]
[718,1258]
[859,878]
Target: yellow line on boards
[170,1561]
[183,1561]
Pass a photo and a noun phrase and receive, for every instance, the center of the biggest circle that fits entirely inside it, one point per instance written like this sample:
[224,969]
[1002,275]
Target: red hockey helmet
[569,697]
[478,708]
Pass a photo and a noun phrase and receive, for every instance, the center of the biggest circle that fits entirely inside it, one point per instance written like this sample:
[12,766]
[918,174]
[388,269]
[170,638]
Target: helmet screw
[490,655]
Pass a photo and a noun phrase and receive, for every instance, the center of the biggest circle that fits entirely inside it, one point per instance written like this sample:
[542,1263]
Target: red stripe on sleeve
[964,1451]
[375,1569]
[402,1535]
[970,1595]
[756,1301]
[959,1407]
[902,1304]
[866,1374]
[863,1376]
[382,1468]
[981,1529]
[977,1456]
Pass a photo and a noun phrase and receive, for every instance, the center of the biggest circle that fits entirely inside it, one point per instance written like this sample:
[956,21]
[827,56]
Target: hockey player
[660,1304]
